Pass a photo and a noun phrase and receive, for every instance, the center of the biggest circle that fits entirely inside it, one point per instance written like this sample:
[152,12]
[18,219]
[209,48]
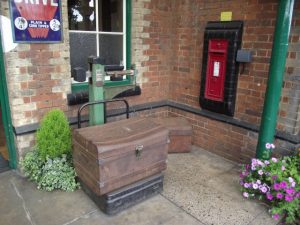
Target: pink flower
[293,184]
[260,163]
[290,191]
[276,187]
[263,189]
[276,216]
[288,198]
[283,184]
[269,196]
[274,160]
[279,195]
[282,168]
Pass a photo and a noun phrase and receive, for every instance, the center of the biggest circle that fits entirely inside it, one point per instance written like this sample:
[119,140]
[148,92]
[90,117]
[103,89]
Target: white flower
[291,180]
[268,146]
[260,172]
[245,194]
[255,186]
[258,181]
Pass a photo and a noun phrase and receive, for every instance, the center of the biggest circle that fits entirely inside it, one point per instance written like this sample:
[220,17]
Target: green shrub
[53,138]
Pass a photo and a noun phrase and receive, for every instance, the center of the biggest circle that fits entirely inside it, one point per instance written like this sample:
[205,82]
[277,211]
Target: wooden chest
[110,156]
[180,133]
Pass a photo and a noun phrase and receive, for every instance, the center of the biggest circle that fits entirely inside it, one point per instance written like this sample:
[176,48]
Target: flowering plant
[276,182]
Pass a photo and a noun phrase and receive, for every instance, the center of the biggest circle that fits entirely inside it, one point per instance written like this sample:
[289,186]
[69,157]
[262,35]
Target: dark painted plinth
[125,197]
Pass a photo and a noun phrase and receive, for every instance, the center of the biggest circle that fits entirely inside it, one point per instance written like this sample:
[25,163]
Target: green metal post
[277,68]
[128,34]
[96,93]
[8,128]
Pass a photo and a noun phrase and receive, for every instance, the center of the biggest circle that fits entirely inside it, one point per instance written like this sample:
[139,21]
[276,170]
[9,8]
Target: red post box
[216,69]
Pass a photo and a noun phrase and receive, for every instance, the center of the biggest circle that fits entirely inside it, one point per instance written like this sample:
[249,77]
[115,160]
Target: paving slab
[200,188]
[209,190]
[154,211]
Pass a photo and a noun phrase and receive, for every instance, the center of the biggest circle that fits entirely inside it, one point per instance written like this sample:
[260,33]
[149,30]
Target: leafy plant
[50,174]
[53,138]
[50,164]
[32,164]
[58,174]
[276,182]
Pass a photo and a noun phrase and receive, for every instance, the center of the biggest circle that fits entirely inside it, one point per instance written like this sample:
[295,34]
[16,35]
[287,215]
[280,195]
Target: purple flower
[246,185]
[260,172]
[247,167]
[246,194]
[276,216]
[267,162]
[274,177]
[276,186]
[283,184]
[293,184]
[253,168]
[269,196]
[279,195]
[241,182]
[290,191]
[288,198]
[298,195]
[274,160]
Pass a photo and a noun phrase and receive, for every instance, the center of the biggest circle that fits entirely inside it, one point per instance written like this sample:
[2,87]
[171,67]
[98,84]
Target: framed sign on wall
[36,21]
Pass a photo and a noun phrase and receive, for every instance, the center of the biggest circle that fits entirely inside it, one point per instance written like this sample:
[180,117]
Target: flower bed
[276,182]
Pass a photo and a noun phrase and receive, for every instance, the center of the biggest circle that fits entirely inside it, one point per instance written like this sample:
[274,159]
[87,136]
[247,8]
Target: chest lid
[120,136]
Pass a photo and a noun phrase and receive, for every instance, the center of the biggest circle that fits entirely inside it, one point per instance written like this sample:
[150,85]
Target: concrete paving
[200,188]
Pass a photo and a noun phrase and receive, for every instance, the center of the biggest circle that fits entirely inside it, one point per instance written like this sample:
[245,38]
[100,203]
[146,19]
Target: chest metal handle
[138,150]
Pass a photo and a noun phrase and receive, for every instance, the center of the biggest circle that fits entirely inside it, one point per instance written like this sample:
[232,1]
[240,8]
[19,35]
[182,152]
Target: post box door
[216,70]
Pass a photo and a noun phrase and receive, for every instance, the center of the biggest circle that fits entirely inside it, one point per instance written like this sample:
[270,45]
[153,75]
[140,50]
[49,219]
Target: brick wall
[38,79]
[152,33]
[167,40]
[259,20]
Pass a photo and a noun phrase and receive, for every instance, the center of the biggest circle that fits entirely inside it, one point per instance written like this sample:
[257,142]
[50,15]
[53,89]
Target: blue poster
[36,21]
